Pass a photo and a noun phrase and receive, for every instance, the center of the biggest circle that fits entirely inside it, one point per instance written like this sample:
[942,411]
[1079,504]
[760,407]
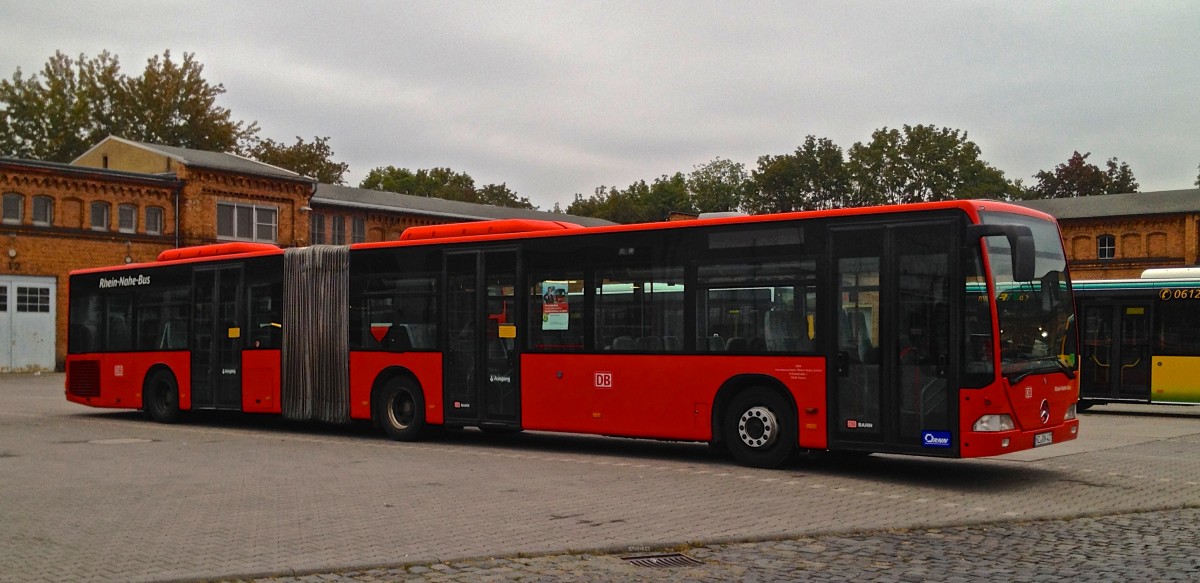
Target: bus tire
[160,397]
[400,410]
[760,428]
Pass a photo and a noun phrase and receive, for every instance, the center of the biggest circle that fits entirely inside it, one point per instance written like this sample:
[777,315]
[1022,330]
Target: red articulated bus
[932,329]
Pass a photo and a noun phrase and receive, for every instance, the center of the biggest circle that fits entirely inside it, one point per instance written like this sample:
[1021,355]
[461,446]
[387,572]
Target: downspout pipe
[178,191]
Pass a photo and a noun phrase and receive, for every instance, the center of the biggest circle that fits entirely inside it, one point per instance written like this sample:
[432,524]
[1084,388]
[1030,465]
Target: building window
[14,207]
[43,211]
[247,222]
[33,299]
[99,216]
[1106,247]
[358,230]
[154,220]
[316,229]
[337,230]
[127,218]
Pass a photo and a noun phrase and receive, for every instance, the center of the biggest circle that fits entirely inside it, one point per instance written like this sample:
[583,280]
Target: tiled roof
[1117,205]
[213,160]
[361,198]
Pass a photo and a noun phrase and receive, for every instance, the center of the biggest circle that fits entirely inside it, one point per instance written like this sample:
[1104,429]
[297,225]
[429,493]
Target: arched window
[154,220]
[99,216]
[43,211]
[1106,247]
[127,218]
[14,208]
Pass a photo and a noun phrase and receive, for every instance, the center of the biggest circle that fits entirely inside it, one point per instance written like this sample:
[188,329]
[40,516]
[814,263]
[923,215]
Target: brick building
[125,202]
[1119,235]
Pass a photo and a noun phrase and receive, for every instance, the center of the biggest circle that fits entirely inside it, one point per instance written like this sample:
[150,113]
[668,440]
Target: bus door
[1116,350]
[480,364]
[217,327]
[891,387]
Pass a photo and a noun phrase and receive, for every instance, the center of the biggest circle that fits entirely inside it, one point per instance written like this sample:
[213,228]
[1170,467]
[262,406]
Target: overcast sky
[557,98]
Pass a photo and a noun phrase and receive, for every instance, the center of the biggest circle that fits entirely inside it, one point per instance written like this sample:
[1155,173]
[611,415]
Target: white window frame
[19,208]
[247,222]
[154,220]
[1106,247]
[93,215]
[47,206]
[127,218]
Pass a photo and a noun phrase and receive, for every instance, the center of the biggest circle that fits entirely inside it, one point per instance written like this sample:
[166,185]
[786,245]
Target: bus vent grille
[83,378]
[667,560]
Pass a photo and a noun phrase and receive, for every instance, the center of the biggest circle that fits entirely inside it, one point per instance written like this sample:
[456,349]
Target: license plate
[1043,439]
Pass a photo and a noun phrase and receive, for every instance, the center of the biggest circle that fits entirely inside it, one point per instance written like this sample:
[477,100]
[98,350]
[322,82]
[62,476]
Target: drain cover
[667,560]
[120,441]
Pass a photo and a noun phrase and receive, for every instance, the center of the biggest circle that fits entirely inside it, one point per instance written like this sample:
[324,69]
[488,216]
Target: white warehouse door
[27,323]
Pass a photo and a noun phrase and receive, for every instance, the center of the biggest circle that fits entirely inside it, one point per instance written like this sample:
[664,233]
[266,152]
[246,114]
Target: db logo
[604,380]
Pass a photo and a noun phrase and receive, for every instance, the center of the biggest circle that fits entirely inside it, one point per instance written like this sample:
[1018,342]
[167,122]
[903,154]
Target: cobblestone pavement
[1150,546]
[93,495]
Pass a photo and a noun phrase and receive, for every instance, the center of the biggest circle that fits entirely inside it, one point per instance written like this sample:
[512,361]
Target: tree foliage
[313,159]
[921,164]
[1076,177]
[813,177]
[72,104]
[718,186]
[442,183]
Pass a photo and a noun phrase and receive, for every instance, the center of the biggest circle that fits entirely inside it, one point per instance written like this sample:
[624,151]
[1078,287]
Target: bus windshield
[1035,316]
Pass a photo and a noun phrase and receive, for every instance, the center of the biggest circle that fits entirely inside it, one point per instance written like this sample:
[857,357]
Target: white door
[27,323]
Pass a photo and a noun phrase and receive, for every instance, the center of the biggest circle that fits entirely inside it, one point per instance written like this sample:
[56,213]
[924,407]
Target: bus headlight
[989,423]
[1070,413]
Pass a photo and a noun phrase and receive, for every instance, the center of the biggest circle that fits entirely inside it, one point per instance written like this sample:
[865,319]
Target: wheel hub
[400,410]
[758,427]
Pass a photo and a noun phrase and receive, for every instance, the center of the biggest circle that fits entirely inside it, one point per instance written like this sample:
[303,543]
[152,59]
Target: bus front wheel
[160,397]
[400,410]
[760,428]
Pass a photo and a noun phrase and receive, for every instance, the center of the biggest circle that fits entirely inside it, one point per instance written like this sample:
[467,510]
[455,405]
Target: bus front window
[1034,316]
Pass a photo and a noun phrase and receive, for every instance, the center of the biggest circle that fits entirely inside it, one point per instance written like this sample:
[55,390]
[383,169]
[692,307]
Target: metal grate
[83,378]
[667,560]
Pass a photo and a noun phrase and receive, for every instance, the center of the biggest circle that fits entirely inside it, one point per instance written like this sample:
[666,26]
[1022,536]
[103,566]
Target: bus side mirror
[1020,242]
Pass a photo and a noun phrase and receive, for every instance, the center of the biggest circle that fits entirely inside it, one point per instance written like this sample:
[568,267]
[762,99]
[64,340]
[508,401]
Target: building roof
[361,198]
[1117,205]
[211,160]
[89,172]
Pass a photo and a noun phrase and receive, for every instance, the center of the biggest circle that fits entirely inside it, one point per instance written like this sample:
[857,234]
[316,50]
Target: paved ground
[106,496]
[1151,546]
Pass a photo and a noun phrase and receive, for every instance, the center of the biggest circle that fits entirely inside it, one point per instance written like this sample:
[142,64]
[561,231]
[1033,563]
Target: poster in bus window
[555,315]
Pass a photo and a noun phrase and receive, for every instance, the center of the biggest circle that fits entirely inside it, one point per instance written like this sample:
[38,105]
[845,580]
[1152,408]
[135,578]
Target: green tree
[1198,176]
[313,159]
[501,195]
[1076,177]
[613,204]
[922,163]
[718,186]
[72,104]
[442,183]
[813,177]
[666,195]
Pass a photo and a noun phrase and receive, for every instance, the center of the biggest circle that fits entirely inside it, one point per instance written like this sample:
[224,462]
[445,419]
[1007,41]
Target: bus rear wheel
[400,410]
[759,427]
[160,397]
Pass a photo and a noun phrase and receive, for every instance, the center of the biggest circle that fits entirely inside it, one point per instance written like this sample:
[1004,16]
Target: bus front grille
[83,378]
